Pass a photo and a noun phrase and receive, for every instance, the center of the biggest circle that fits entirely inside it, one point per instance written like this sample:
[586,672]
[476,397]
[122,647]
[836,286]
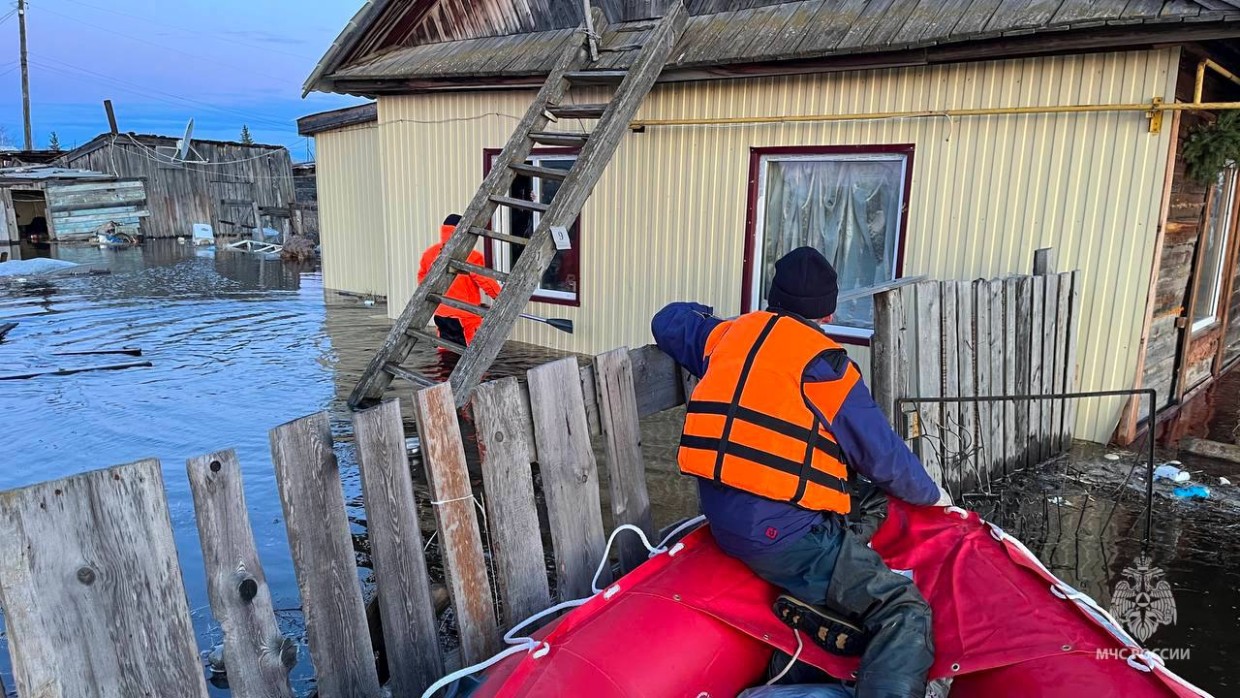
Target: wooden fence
[992,338]
[92,590]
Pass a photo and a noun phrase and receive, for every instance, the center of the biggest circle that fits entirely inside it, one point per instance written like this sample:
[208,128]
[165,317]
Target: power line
[153,93]
[220,37]
[111,32]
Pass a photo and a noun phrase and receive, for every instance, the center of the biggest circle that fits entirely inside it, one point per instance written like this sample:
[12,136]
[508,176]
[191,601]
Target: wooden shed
[44,203]
[220,183]
[903,138]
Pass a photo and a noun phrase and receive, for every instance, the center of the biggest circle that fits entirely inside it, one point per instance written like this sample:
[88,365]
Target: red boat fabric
[695,622]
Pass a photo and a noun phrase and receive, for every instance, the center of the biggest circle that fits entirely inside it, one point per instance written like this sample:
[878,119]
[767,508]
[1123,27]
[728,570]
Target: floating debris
[1167,471]
[1224,481]
[1192,492]
[1112,456]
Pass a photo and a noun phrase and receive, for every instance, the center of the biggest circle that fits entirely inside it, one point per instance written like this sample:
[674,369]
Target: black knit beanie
[453,219]
[805,283]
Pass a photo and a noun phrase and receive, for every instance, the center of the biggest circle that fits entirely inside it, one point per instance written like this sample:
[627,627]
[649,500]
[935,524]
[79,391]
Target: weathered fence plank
[569,476]
[318,531]
[999,341]
[967,364]
[883,355]
[1050,347]
[1069,375]
[985,444]
[464,564]
[1021,303]
[929,376]
[410,628]
[506,448]
[257,657]
[93,599]
[1037,320]
[951,346]
[626,469]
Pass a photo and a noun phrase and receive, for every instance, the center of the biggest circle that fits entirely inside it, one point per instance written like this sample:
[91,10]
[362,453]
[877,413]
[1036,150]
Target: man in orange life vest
[774,431]
[458,325]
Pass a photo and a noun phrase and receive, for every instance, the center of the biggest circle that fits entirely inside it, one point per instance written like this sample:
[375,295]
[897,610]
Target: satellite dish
[184,144]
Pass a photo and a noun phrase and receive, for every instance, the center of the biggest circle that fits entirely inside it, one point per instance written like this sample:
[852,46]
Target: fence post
[91,587]
[626,470]
[256,656]
[308,479]
[506,448]
[410,626]
[443,455]
[885,357]
[930,375]
[569,476]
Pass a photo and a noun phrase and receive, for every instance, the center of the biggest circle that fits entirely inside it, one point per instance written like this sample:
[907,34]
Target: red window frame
[751,223]
[488,157]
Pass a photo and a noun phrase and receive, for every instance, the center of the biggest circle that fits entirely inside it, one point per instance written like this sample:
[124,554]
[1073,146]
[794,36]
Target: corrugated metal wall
[351,220]
[667,221]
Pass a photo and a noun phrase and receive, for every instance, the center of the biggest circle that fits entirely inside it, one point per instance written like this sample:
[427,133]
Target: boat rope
[795,656]
[537,648]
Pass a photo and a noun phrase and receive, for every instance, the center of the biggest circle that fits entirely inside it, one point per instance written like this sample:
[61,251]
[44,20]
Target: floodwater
[241,344]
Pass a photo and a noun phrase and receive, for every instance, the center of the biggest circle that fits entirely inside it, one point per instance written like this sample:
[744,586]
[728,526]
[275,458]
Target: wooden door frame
[1186,340]
[9,214]
[1229,282]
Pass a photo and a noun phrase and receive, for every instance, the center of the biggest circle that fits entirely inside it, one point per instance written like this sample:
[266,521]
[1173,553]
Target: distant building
[306,194]
[778,124]
[217,185]
[42,203]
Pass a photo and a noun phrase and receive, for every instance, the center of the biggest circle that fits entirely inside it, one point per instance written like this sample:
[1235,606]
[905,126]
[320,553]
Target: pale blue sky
[161,62]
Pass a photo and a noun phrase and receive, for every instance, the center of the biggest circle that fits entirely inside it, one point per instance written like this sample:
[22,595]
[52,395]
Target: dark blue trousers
[832,566]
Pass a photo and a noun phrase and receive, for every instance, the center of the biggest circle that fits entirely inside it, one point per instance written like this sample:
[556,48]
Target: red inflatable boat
[695,622]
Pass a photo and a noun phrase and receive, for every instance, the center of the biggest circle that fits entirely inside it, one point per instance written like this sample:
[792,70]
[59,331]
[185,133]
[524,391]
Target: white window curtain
[848,209]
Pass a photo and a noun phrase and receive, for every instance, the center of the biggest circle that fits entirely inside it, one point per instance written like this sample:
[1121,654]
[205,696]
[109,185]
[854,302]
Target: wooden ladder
[596,150]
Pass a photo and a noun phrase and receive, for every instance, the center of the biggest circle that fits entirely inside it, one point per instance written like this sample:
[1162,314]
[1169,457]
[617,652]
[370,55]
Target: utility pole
[21,29]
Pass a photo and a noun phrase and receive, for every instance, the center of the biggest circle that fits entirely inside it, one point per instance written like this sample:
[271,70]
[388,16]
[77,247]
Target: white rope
[438,502]
[795,656]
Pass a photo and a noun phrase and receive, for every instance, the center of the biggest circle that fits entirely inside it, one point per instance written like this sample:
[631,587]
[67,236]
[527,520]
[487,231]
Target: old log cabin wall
[668,220]
[1183,349]
[182,194]
[74,203]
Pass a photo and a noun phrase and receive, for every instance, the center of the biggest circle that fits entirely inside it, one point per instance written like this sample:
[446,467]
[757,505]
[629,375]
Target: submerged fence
[91,584]
[1004,337]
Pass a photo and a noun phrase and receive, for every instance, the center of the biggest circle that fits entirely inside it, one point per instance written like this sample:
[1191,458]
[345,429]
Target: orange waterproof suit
[466,287]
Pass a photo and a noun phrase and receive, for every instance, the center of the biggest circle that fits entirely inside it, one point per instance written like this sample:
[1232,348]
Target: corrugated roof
[735,32]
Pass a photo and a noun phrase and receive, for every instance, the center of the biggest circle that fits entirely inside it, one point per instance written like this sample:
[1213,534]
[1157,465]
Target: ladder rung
[468,268]
[502,237]
[436,340]
[596,77]
[525,204]
[542,172]
[478,310]
[572,140]
[635,28]
[398,371]
[621,49]
[578,111]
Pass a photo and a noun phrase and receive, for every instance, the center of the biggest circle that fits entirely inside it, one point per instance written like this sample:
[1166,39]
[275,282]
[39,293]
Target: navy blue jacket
[745,524]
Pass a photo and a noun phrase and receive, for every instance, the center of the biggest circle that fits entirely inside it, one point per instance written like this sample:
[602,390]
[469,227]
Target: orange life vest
[749,425]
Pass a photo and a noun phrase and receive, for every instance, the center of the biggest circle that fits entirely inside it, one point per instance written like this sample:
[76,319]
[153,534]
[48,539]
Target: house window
[561,283]
[1213,257]
[849,204]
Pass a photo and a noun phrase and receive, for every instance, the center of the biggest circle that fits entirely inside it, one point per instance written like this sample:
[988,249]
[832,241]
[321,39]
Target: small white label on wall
[559,234]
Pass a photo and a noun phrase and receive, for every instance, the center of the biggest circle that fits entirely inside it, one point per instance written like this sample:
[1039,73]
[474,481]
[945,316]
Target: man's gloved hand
[945,499]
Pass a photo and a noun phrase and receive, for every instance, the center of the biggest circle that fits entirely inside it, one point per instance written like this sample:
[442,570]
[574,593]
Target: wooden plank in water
[410,626]
[626,469]
[308,479]
[930,376]
[258,657]
[443,454]
[569,476]
[984,446]
[1070,375]
[506,448]
[93,599]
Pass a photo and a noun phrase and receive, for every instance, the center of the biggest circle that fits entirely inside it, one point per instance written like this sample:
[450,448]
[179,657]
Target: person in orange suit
[458,325]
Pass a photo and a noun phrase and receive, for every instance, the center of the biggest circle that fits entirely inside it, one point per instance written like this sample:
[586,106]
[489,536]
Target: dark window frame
[488,157]
[756,154]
